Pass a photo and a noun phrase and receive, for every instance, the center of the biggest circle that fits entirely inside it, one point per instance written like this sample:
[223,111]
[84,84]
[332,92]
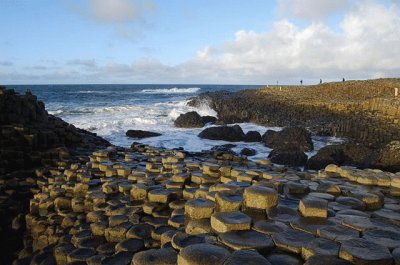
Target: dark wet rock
[208,119]
[351,203]
[200,254]
[181,240]
[247,239]
[230,221]
[249,257]
[348,154]
[387,238]
[325,260]
[162,256]
[225,133]
[358,223]
[396,256]
[248,152]
[269,227]
[189,120]
[139,134]
[387,157]
[320,246]
[292,240]
[121,258]
[288,155]
[252,136]
[129,244]
[361,251]
[284,259]
[338,233]
[289,137]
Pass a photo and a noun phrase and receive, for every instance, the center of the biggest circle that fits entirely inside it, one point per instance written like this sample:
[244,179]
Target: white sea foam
[112,123]
[173,90]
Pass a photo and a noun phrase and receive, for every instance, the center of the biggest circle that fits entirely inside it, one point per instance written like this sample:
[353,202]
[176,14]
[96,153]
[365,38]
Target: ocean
[111,110]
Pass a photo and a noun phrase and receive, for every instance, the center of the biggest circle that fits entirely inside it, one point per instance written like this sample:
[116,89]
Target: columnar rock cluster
[148,205]
[30,138]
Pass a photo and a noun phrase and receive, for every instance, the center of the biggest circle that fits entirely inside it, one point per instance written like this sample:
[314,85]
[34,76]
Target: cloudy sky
[197,41]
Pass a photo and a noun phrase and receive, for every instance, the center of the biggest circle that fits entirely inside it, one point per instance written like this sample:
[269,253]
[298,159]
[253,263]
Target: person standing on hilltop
[343,80]
[320,81]
[301,82]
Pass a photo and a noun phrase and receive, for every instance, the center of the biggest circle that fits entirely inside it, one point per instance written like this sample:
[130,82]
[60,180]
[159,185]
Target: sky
[197,41]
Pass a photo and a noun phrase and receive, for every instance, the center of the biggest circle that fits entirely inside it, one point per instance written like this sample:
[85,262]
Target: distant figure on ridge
[301,82]
[320,81]
[343,80]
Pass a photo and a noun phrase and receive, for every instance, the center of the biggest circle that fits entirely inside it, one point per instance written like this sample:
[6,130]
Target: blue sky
[196,41]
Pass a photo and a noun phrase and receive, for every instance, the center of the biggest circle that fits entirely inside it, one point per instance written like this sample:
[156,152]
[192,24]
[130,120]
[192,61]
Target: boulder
[141,134]
[189,120]
[361,251]
[289,155]
[225,133]
[252,136]
[260,198]
[208,119]
[387,157]
[249,257]
[200,254]
[348,154]
[289,136]
[248,152]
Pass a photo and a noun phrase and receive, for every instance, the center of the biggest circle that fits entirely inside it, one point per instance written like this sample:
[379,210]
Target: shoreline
[85,201]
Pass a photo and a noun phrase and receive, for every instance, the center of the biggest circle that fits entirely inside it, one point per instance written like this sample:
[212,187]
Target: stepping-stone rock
[313,207]
[247,239]
[117,220]
[396,256]
[387,238]
[177,221]
[95,260]
[228,201]
[199,208]
[201,254]
[372,201]
[292,240]
[351,203]
[358,223]
[159,195]
[249,257]
[283,214]
[167,236]
[325,260]
[330,188]
[129,244]
[362,251]
[310,225]
[260,198]
[162,256]
[284,259]
[121,258]
[181,240]
[269,227]
[320,246]
[338,233]
[230,221]
[80,254]
[296,188]
[106,248]
[199,226]
[140,231]
[388,214]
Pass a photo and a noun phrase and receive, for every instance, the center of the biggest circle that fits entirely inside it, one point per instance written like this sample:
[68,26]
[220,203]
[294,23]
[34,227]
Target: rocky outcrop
[252,136]
[225,133]
[189,120]
[387,157]
[349,154]
[32,142]
[364,111]
[289,136]
[193,120]
[288,155]
[139,134]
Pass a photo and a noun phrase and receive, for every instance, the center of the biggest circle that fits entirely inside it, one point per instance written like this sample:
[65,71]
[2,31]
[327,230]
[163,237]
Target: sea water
[111,110]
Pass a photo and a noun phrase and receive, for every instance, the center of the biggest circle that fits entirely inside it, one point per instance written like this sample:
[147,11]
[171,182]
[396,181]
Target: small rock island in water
[70,197]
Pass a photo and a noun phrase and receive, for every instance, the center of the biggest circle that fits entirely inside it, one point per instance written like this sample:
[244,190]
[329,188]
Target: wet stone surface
[146,205]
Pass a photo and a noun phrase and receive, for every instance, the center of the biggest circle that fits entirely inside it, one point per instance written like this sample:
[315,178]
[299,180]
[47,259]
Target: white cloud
[6,63]
[118,10]
[366,46]
[311,9]
[86,63]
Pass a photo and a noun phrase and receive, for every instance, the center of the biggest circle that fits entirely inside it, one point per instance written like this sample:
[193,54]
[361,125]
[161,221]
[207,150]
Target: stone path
[148,205]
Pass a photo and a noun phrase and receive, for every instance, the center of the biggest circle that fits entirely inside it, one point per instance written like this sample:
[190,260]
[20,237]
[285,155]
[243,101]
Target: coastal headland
[68,196]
